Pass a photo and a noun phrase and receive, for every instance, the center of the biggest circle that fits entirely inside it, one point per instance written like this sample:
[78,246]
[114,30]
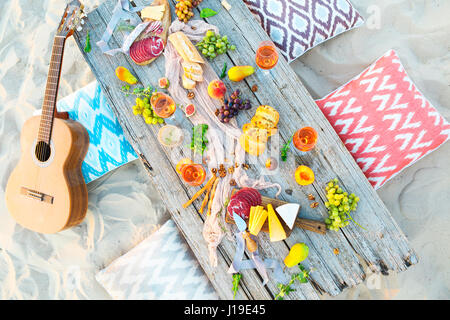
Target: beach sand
[124,207]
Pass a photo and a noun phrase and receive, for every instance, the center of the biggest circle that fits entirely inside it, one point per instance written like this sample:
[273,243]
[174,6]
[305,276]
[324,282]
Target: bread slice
[192,67]
[188,83]
[194,76]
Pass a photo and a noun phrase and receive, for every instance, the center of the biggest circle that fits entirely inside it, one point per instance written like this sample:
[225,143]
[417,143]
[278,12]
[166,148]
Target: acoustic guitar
[46,191]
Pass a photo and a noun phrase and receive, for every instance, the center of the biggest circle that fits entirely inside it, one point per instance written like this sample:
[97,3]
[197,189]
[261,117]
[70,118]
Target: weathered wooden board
[382,245]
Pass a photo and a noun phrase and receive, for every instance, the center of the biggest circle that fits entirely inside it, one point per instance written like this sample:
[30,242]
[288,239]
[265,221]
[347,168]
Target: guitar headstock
[71,19]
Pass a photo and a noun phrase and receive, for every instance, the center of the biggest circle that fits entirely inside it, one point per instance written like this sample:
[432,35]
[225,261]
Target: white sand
[124,207]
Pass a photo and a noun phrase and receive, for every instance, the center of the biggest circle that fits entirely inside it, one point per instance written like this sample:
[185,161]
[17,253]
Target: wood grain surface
[381,245]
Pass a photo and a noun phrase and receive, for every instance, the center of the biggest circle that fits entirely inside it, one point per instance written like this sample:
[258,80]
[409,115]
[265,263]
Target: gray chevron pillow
[161,267]
[296,26]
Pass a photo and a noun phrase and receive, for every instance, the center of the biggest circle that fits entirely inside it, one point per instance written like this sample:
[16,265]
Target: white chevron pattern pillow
[162,267]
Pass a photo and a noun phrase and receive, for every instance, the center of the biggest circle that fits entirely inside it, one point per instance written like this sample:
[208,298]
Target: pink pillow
[383,120]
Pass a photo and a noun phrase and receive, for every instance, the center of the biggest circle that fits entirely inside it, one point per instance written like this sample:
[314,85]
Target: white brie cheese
[288,212]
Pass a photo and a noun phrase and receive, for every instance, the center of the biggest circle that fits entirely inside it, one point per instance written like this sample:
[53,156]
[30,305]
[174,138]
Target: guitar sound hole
[42,151]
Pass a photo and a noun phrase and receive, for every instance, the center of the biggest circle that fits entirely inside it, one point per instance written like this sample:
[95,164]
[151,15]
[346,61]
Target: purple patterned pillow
[296,26]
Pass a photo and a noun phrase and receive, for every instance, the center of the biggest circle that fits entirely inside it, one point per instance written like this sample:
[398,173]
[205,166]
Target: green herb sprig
[224,70]
[285,149]
[285,289]
[236,278]
[199,141]
[140,92]
[87,46]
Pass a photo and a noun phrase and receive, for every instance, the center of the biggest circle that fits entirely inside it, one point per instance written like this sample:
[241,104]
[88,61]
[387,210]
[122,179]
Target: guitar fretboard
[51,90]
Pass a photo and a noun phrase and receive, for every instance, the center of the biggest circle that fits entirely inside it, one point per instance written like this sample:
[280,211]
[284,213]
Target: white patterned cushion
[296,26]
[162,267]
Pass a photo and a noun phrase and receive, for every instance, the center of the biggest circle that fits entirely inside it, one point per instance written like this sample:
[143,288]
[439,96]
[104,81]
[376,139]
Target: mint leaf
[207,12]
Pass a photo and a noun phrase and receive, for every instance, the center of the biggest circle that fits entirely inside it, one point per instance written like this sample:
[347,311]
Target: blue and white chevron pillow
[108,148]
[161,267]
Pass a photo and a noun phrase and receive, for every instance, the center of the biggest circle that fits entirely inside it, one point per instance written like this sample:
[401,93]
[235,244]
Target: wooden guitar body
[49,196]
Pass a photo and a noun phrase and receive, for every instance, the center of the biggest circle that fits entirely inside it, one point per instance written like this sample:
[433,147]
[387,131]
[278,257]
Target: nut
[245,166]
[336,251]
[233,182]
[255,88]
[231,169]
[311,197]
[314,205]
[191,95]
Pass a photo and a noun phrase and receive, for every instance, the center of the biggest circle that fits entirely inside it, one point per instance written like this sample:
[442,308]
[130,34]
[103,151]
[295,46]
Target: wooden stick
[205,200]
[199,192]
[213,193]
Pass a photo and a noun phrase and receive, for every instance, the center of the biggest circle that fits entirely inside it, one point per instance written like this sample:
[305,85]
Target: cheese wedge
[188,83]
[185,47]
[251,216]
[288,212]
[192,67]
[276,230]
[259,222]
[153,12]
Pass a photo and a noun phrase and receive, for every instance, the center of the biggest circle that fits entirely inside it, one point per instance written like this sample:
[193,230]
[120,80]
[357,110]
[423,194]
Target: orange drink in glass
[305,139]
[163,105]
[266,55]
[193,174]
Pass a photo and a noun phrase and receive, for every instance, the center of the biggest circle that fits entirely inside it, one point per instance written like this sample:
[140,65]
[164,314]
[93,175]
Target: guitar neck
[51,90]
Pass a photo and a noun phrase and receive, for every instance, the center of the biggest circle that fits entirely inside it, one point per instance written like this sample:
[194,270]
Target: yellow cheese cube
[153,12]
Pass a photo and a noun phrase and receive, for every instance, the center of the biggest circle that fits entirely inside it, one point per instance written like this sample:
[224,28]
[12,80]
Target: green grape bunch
[339,205]
[143,107]
[213,44]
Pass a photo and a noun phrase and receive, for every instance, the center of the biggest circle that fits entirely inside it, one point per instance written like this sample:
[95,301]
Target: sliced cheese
[185,47]
[288,212]
[153,12]
[194,76]
[192,67]
[259,222]
[276,230]
[251,216]
[188,83]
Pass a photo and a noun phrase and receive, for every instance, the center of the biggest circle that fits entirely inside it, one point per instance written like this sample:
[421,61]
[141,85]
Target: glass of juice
[305,139]
[266,55]
[193,174]
[163,105]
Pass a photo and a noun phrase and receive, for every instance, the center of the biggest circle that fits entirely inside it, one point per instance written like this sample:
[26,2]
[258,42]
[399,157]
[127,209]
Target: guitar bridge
[36,195]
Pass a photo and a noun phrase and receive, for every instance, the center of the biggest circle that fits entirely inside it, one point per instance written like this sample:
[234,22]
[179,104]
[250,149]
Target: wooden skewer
[200,192]
[205,200]
[213,193]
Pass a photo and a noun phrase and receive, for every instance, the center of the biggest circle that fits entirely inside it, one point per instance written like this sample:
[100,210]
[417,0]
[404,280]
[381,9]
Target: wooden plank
[282,89]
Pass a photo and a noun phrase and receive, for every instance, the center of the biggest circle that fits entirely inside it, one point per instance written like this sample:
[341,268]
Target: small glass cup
[266,55]
[193,174]
[305,139]
[170,136]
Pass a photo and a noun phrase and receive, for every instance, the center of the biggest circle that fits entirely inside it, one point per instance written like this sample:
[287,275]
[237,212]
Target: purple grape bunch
[232,106]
